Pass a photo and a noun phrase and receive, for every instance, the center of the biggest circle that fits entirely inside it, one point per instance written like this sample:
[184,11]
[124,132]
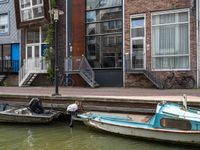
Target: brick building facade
[170,9]
[131,43]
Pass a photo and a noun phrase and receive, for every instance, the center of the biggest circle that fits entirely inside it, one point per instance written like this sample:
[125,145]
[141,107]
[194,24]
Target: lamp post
[55,13]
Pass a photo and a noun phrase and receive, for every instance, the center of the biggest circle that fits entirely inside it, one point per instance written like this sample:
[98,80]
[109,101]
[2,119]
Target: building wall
[14,34]
[147,7]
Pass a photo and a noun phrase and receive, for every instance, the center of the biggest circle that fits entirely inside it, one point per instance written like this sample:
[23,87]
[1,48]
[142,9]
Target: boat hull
[186,137]
[23,118]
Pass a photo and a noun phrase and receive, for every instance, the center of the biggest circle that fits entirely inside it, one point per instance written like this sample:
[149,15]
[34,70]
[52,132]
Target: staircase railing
[32,65]
[86,70]
[151,76]
[81,66]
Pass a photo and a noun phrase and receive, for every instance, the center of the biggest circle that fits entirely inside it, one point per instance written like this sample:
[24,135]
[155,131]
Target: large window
[170,40]
[35,43]
[4,23]
[31,9]
[104,33]
[138,42]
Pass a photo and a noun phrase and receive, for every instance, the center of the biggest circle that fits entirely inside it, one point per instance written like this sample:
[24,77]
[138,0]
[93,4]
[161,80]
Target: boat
[171,122]
[11,114]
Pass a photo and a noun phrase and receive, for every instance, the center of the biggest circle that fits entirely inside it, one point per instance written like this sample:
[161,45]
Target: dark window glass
[104,33]
[38,12]
[33,35]
[95,4]
[104,28]
[36,2]
[6,52]
[6,58]
[44,33]
[104,15]
[175,124]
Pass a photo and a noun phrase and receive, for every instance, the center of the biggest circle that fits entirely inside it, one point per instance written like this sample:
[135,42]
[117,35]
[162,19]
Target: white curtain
[170,41]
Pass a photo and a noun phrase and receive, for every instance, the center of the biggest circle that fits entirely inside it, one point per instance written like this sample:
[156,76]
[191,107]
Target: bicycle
[65,80]
[184,81]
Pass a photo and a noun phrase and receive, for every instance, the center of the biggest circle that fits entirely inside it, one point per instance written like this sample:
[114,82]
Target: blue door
[15,57]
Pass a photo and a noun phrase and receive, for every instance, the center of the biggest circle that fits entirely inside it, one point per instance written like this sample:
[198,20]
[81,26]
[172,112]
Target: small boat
[10,114]
[171,123]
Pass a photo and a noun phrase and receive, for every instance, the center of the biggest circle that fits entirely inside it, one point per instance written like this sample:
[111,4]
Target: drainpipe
[124,58]
[197,36]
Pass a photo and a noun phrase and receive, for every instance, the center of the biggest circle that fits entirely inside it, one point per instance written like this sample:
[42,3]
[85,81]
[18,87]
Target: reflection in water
[59,136]
[29,141]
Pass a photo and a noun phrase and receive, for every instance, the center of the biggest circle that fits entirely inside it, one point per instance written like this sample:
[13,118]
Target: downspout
[197,36]
[124,58]
[66,28]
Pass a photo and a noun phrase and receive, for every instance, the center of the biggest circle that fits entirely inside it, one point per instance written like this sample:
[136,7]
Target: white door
[33,51]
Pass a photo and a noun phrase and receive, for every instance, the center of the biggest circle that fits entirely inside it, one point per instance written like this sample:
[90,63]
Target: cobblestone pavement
[123,93]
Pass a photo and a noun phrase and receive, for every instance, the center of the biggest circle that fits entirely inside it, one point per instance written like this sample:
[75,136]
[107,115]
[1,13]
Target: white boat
[171,123]
[9,114]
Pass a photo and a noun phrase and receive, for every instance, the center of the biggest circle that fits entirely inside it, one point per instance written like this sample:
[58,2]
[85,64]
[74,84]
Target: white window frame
[189,38]
[35,44]
[3,1]
[8,16]
[31,7]
[138,38]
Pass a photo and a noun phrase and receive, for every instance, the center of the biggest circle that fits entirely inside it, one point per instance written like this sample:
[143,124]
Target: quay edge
[123,104]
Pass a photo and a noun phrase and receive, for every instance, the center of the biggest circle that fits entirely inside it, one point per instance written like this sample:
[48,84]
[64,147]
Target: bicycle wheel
[168,83]
[70,82]
[188,83]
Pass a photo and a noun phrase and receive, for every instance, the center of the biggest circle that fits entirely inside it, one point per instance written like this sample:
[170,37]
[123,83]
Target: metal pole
[56,71]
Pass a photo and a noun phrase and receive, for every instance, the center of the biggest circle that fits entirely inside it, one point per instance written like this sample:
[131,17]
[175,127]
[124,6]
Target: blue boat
[171,123]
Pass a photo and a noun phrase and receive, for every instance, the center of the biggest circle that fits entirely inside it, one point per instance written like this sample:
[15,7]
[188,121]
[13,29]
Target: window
[175,124]
[35,42]
[96,4]
[170,40]
[31,9]
[3,1]
[104,33]
[4,23]
[138,42]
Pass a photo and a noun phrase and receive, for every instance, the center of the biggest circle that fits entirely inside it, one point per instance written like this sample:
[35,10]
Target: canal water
[58,136]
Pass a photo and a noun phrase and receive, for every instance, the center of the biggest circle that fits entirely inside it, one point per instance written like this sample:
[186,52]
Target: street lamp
[55,13]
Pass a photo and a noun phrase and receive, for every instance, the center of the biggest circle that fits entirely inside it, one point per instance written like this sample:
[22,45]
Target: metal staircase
[155,80]
[30,69]
[2,79]
[80,65]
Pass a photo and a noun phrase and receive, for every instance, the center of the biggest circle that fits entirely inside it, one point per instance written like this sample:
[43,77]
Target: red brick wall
[147,7]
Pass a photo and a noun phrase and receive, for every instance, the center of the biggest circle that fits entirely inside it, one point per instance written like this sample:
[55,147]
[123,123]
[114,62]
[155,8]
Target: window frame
[8,14]
[178,55]
[100,35]
[39,44]
[31,7]
[4,1]
[138,38]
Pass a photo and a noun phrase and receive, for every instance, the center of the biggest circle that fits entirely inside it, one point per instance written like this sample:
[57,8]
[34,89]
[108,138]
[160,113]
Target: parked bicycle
[65,80]
[184,81]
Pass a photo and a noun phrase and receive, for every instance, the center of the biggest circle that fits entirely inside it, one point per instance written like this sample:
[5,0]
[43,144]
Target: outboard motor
[35,105]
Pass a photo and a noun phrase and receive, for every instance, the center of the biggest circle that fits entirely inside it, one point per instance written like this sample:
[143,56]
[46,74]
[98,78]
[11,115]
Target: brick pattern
[147,7]
[61,35]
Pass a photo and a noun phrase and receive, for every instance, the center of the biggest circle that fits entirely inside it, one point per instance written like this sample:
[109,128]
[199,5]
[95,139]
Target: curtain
[170,41]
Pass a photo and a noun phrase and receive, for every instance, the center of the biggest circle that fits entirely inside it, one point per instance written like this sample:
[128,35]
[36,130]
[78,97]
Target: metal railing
[151,76]
[9,66]
[81,66]
[32,65]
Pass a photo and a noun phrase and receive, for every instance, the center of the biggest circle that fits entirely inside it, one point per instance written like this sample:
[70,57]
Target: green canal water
[58,136]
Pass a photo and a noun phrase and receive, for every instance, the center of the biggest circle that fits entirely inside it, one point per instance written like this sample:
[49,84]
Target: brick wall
[61,35]
[147,7]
